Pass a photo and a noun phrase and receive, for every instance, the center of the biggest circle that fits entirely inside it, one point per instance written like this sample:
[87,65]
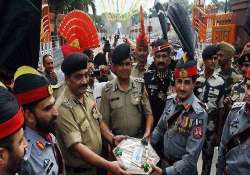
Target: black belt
[76,169]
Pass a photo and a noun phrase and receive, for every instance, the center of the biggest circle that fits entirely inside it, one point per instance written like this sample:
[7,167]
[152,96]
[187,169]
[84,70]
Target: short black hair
[88,52]
[45,56]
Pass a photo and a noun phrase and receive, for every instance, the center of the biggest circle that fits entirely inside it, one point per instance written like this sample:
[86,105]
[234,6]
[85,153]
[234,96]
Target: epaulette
[58,85]
[139,80]
[203,105]
[68,103]
[89,90]
[150,71]
[198,106]
[108,86]
[238,105]
[172,96]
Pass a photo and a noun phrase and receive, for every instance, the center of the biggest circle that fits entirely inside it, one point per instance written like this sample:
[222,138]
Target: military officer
[182,125]
[12,141]
[238,90]
[124,104]
[210,90]
[158,80]
[225,54]
[141,52]
[34,93]
[235,143]
[79,124]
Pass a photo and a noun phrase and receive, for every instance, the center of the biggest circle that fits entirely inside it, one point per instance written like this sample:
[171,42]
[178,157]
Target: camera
[96,73]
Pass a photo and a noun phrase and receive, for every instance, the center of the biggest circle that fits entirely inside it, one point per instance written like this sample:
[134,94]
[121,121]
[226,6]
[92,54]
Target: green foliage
[64,6]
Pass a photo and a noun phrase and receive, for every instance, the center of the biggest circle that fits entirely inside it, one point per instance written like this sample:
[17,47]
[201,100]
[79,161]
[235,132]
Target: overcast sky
[128,3]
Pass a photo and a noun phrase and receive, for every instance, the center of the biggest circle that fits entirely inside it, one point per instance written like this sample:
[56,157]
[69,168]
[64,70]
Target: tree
[64,6]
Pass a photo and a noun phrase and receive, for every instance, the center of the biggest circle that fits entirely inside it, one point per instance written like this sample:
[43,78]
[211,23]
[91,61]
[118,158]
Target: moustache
[161,64]
[84,86]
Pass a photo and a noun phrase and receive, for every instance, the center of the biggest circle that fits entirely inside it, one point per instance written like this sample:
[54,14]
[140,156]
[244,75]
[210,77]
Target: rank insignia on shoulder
[89,90]
[69,102]
[238,104]
[197,132]
[140,80]
[40,145]
[108,86]
[171,96]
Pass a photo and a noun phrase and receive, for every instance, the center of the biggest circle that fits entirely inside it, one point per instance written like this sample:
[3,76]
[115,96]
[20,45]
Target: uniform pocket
[84,126]
[116,103]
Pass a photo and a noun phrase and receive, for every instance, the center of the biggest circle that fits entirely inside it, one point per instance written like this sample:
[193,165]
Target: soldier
[141,51]
[12,141]
[235,143]
[124,104]
[182,125]
[159,80]
[238,90]
[210,90]
[80,124]
[34,93]
[225,54]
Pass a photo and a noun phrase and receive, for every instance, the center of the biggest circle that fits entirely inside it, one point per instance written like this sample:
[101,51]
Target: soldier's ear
[67,77]
[29,117]
[3,157]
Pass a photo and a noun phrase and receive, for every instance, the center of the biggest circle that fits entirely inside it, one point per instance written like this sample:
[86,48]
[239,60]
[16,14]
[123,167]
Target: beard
[14,164]
[45,126]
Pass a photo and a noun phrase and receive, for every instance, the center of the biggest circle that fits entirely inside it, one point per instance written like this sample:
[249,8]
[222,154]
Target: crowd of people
[67,121]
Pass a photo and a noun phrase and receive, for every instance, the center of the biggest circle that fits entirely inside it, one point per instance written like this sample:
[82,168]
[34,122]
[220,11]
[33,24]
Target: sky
[103,5]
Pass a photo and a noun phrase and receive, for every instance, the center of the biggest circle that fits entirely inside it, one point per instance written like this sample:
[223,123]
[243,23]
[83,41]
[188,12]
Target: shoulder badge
[198,106]
[238,105]
[139,80]
[68,102]
[90,91]
[58,85]
[108,86]
[172,96]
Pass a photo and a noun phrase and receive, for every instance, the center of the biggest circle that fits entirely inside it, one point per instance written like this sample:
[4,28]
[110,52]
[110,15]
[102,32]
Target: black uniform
[158,87]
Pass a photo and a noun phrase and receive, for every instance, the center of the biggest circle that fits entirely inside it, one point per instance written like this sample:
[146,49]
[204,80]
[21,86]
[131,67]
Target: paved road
[213,171]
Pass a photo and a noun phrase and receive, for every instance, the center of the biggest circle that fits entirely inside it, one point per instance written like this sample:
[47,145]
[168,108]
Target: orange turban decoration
[142,39]
[78,29]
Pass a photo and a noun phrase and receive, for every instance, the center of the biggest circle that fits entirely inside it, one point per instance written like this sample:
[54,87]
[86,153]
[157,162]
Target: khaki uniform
[78,122]
[135,72]
[123,111]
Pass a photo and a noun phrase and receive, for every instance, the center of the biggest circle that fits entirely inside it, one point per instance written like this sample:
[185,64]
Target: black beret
[74,62]
[209,51]
[120,53]
[244,58]
[12,117]
[8,105]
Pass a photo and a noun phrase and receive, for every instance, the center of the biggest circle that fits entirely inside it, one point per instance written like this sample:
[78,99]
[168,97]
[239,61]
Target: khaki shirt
[123,111]
[78,122]
[135,72]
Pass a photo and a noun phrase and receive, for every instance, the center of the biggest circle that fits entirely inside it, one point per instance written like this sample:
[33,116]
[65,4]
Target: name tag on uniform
[114,99]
